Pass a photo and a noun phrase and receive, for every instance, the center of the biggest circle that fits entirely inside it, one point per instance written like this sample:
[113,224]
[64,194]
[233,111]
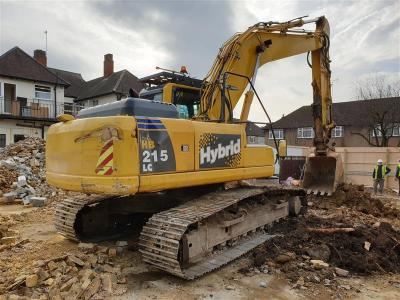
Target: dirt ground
[282,268]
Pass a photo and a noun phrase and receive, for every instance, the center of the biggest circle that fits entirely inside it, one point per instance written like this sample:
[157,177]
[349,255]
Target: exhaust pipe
[322,174]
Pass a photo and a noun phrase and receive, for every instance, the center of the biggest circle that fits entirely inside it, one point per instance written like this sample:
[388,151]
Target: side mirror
[282,148]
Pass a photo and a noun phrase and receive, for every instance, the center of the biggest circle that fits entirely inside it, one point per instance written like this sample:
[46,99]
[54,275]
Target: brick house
[355,124]
[255,134]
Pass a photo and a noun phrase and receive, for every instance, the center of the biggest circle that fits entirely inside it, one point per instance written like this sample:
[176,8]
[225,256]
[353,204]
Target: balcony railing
[38,109]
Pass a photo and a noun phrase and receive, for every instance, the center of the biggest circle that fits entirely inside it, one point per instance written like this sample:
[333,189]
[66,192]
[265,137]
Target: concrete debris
[38,201]
[7,240]
[341,272]
[31,280]
[263,284]
[22,173]
[285,257]
[112,252]
[72,276]
[320,252]
[367,245]
[319,264]
[122,246]
[21,181]
[76,260]
[9,197]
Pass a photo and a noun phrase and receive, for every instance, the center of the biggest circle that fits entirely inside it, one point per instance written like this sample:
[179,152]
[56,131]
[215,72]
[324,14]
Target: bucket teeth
[319,192]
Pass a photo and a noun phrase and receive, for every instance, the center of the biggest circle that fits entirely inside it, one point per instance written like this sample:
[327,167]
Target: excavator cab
[322,174]
[174,88]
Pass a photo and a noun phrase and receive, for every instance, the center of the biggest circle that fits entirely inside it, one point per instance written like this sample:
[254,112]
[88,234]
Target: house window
[278,134]
[337,132]
[18,137]
[305,133]
[252,139]
[94,102]
[377,131]
[396,130]
[2,140]
[42,92]
[68,108]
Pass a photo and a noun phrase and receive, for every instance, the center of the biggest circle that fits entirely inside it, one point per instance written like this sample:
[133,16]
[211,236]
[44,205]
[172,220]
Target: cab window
[187,101]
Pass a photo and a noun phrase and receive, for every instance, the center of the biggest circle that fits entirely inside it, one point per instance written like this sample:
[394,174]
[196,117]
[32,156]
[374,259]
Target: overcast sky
[365,39]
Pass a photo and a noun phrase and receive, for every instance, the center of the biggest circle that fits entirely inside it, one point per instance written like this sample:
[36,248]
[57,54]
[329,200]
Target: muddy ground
[285,267]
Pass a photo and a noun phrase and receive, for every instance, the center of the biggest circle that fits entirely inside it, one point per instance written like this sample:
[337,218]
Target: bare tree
[383,122]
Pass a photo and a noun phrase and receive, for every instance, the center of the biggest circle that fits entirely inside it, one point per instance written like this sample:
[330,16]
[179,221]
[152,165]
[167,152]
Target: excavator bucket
[322,174]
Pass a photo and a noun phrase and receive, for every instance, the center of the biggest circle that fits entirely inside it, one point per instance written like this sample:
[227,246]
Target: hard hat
[380,161]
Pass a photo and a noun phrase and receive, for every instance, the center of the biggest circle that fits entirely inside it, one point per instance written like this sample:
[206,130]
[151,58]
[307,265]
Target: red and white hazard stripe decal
[105,161]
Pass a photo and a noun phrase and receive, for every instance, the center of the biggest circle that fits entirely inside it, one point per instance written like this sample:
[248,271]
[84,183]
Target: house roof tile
[74,80]
[118,82]
[16,63]
[354,113]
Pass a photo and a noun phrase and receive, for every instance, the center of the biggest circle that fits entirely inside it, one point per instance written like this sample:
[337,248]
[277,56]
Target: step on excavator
[192,187]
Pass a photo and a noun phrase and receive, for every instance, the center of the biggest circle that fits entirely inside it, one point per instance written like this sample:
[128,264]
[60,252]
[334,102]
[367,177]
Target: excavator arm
[235,70]
[240,58]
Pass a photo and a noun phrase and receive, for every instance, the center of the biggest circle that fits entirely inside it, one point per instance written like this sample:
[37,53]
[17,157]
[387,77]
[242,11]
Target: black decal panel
[155,147]
[219,150]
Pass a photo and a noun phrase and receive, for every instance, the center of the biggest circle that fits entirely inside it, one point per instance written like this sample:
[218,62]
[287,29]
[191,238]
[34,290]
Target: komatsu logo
[209,155]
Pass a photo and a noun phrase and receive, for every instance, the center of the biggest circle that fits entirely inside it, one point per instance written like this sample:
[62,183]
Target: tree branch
[365,138]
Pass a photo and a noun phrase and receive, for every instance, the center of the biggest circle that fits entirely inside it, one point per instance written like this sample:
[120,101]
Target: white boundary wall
[359,163]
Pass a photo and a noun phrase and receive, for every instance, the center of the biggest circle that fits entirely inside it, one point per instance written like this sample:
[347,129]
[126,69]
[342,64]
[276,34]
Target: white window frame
[279,134]
[252,139]
[93,101]
[301,130]
[397,128]
[337,132]
[43,87]
[1,89]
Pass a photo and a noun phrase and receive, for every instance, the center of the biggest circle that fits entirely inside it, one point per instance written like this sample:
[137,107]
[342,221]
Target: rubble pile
[341,249]
[89,272]
[348,234]
[22,173]
[356,198]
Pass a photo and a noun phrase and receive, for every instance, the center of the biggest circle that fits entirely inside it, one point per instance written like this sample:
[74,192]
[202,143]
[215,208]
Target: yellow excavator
[144,168]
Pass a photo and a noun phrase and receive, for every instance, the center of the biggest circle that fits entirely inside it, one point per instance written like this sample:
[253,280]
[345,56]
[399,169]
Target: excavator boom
[236,66]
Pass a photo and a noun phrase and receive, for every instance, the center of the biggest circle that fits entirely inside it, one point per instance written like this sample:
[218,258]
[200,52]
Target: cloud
[365,39]
[78,38]
[191,31]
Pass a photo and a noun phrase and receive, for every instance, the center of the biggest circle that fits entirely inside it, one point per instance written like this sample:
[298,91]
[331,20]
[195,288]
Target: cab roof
[162,78]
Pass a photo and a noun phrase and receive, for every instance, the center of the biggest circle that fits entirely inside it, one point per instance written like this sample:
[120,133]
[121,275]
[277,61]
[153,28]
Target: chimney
[40,57]
[108,65]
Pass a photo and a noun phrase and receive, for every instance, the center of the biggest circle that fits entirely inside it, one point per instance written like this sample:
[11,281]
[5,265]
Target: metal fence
[35,108]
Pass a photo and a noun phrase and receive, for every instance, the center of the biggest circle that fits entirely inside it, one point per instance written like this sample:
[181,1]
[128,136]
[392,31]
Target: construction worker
[379,174]
[397,175]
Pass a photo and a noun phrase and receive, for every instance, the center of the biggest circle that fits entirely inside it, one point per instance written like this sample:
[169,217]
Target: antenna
[45,32]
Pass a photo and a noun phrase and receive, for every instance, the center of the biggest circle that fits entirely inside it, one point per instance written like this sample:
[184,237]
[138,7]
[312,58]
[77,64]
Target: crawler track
[161,239]
[164,239]
[66,214]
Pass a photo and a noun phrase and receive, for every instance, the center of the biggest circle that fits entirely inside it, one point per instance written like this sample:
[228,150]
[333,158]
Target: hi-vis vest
[383,172]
